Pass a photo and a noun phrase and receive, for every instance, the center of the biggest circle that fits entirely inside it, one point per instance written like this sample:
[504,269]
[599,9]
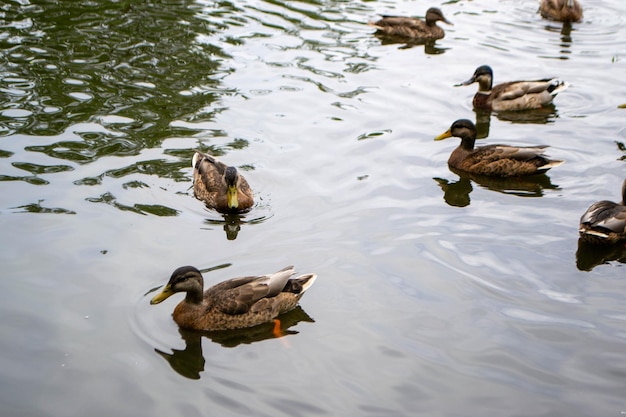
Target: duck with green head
[512,95]
[220,186]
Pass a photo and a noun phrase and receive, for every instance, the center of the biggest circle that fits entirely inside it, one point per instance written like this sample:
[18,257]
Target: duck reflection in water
[232,222]
[590,255]
[565,31]
[189,362]
[430,47]
[457,193]
[544,115]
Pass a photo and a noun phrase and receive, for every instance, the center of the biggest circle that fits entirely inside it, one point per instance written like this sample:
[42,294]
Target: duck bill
[468,82]
[448,22]
[445,135]
[232,201]
[164,294]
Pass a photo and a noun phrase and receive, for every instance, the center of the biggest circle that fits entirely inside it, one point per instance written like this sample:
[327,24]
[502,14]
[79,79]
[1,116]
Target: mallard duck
[561,10]
[513,95]
[412,27]
[494,160]
[605,221]
[235,303]
[220,186]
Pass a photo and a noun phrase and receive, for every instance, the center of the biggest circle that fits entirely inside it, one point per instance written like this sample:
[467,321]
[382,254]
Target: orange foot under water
[277,332]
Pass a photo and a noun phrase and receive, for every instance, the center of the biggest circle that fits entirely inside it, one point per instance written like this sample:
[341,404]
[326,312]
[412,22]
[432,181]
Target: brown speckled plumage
[605,221]
[512,95]
[561,10]
[412,27]
[494,160]
[234,303]
[211,180]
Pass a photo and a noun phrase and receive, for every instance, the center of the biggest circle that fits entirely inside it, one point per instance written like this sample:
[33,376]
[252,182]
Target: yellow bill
[232,197]
[165,293]
[445,135]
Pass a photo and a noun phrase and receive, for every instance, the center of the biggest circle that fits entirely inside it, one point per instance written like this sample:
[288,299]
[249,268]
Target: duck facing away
[220,186]
[494,160]
[605,221]
[561,10]
[235,303]
[512,95]
[412,27]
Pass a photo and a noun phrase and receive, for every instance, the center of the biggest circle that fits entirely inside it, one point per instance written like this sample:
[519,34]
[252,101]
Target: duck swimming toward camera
[220,186]
[561,10]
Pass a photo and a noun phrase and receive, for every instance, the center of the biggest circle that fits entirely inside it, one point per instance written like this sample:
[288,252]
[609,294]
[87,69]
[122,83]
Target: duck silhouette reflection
[589,255]
[457,193]
[231,223]
[544,115]
[430,47]
[189,362]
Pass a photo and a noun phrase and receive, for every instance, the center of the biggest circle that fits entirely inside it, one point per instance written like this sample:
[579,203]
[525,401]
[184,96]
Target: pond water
[437,294]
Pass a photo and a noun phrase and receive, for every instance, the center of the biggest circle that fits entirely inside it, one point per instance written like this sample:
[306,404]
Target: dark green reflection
[38,208]
[155,209]
[81,59]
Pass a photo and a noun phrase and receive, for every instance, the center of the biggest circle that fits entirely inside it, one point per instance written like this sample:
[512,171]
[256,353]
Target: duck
[605,221]
[494,160]
[412,27]
[512,95]
[561,10]
[235,303]
[220,186]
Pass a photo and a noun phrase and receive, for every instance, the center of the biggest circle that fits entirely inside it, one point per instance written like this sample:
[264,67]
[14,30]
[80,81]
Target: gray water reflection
[420,307]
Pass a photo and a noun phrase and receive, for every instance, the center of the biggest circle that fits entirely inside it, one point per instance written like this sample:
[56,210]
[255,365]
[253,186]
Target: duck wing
[241,295]
[507,161]
[207,165]
[516,89]
[605,215]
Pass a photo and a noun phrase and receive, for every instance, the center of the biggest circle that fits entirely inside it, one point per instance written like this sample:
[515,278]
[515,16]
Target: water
[437,294]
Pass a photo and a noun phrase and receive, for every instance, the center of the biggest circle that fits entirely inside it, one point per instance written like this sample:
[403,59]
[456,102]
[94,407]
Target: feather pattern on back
[412,27]
[605,221]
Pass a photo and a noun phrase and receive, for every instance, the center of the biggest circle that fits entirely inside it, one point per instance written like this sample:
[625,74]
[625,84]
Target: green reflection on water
[137,60]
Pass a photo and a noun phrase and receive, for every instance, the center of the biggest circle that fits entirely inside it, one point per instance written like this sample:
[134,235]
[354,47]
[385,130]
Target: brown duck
[512,95]
[412,27]
[234,303]
[561,10]
[220,186]
[605,221]
[494,160]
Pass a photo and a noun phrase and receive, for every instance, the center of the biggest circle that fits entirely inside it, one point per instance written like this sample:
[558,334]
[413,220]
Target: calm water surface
[438,294]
